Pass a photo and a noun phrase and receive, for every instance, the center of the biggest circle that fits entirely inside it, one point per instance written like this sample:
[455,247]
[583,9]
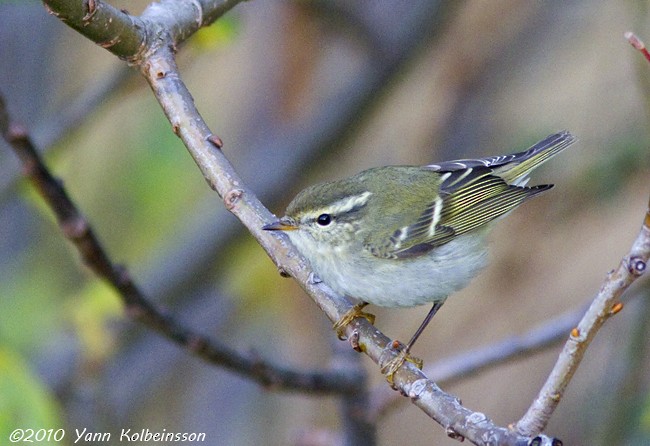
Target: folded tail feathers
[514,168]
[517,169]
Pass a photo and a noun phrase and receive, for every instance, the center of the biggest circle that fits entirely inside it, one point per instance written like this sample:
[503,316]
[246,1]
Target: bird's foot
[389,368]
[348,317]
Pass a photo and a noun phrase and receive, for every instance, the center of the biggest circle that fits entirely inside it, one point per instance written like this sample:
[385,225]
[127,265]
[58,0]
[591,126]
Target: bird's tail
[516,170]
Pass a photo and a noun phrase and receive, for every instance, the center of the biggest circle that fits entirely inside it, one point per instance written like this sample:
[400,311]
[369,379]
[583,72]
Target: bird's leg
[349,316]
[394,364]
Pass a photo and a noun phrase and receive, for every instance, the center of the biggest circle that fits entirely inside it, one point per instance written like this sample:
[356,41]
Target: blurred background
[302,92]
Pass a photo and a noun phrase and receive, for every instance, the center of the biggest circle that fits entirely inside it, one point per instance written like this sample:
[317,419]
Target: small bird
[401,236]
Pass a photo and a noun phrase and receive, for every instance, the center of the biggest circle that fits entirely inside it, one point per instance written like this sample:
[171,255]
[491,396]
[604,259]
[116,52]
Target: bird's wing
[469,198]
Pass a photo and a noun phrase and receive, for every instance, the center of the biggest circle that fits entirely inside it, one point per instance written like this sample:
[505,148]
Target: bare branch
[77,229]
[128,36]
[605,305]
[637,44]
[117,31]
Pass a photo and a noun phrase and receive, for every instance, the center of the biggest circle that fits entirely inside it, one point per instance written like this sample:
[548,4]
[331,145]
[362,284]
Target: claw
[391,367]
[348,317]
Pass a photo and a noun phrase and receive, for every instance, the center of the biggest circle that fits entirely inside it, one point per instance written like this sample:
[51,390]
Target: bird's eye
[324,219]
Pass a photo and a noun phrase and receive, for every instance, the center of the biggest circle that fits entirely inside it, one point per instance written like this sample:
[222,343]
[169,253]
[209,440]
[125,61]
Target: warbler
[401,236]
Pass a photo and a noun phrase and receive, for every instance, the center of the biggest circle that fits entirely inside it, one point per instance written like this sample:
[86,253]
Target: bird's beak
[280,225]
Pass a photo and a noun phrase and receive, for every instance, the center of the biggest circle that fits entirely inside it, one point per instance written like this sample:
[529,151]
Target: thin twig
[637,44]
[605,305]
[77,229]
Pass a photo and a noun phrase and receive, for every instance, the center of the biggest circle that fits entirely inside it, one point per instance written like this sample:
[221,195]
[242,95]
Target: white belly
[405,282]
